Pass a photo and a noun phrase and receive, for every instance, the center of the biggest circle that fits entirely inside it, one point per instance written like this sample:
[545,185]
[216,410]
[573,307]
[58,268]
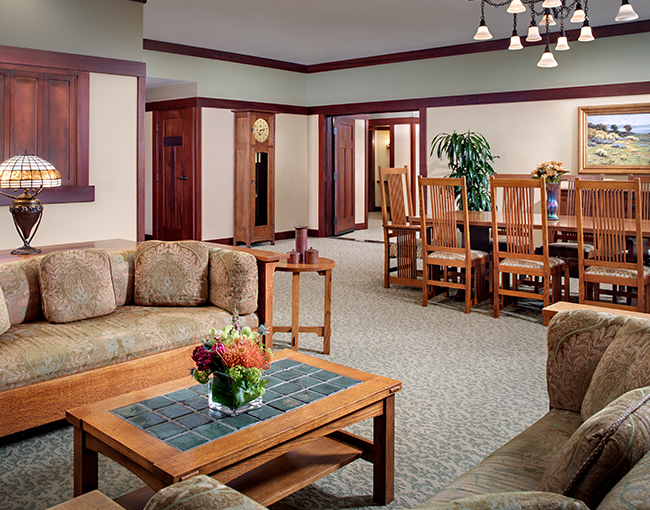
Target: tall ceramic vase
[552,204]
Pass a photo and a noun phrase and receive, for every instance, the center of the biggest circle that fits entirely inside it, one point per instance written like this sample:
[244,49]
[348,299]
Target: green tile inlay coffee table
[166,433]
[182,418]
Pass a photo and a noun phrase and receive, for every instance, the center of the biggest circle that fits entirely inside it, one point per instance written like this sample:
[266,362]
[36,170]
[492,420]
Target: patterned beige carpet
[470,382]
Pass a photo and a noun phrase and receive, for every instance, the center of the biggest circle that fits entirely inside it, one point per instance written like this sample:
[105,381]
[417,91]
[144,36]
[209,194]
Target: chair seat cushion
[531,264]
[616,272]
[392,251]
[474,254]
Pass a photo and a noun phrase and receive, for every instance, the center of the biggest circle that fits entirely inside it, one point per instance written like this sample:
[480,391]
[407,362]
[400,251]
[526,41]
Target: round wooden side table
[324,268]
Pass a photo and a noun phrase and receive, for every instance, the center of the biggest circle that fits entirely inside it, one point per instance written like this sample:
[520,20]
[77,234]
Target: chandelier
[549,11]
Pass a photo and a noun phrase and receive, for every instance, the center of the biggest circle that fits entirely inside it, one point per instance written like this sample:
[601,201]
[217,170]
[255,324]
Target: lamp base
[25,250]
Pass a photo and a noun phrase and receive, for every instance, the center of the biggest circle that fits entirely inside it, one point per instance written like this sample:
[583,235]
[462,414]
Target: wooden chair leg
[495,295]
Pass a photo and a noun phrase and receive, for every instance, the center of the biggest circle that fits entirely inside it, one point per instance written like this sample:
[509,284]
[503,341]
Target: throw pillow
[123,270]
[200,491]
[602,450]
[5,324]
[624,366]
[233,281]
[19,280]
[76,284]
[171,273]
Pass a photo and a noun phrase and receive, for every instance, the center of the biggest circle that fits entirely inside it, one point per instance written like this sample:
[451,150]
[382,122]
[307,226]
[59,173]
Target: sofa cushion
[123,272]
[518,465]
[76,284]
[233,280]
[631,492]
[5,323]
[624,366]
[200,491]
[171,273]
[39,351]
[602,450]
[19,281]
[528,500]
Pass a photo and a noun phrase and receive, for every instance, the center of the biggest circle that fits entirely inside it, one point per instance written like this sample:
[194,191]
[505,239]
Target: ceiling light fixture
[548,11]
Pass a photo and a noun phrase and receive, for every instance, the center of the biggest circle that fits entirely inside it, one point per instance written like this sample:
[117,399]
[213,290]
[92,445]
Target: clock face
[261,130]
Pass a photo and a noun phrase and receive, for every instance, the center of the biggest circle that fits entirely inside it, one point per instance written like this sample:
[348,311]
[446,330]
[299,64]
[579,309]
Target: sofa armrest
[525,500]
[576,341]
[200,493]
[266,262]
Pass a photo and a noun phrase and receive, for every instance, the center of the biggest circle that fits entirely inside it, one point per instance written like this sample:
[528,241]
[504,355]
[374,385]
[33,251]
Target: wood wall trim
[587,91]
[226,56]
[226,104]
[635,27]
[61,195]
[140,170]
[54,59]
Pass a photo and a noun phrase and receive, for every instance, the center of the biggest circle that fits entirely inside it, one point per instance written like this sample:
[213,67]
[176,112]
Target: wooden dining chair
[645,213]
[447,263]
[564,245]
[519,257]
[401,238]
[609,263]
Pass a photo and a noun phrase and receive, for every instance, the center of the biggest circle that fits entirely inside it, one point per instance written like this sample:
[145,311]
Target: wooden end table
[268,455]
[324,268]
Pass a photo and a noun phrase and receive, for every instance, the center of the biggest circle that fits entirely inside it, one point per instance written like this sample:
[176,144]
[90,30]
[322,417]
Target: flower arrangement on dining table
[552,171]
[236,359]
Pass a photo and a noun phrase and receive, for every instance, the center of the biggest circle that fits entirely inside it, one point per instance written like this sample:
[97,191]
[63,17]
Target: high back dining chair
[440,245]
[565,244]
[609,263]
[401,241]
[644,208]
[519,257]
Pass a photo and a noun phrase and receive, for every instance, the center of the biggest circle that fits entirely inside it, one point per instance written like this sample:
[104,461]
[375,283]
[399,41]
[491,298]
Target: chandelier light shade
[547,60]
[483,33]
[585,32]
[626,12]
[578,14]
[562,43]
[516,7]
[548,13]
[533,34]
[32,174]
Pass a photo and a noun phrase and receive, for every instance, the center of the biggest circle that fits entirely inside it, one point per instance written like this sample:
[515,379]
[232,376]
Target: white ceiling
[317,31]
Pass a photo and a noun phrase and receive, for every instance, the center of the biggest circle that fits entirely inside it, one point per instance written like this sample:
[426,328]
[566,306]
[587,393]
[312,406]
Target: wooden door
[343,175]
[176,183]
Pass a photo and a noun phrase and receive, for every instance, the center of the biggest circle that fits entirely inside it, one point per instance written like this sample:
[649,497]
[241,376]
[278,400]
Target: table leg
[86,465]
[295,311]
[327,321]
[384,454]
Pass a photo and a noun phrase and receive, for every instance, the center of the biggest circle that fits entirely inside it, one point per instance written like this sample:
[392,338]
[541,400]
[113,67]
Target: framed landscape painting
[614,139]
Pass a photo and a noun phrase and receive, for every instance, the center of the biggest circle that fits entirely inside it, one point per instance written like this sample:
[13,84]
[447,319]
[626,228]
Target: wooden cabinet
[254,177]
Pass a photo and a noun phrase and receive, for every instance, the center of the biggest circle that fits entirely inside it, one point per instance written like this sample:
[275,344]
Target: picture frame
[614,139]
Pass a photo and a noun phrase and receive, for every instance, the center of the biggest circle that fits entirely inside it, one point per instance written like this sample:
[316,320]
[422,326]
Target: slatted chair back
[517,209]
[609,262]
[645,194]
[446,261]
[401,240]
[570,209]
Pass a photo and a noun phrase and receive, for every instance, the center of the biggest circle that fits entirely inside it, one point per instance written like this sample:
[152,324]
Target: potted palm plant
[469,155]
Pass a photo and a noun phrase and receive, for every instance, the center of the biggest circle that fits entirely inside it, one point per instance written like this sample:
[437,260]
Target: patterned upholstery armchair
[590,451]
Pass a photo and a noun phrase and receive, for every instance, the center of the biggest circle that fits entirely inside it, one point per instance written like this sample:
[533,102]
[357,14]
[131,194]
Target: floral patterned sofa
[83,325]
[589,451]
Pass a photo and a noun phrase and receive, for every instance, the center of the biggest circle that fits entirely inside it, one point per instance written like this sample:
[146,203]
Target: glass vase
[552,203]
[215,405]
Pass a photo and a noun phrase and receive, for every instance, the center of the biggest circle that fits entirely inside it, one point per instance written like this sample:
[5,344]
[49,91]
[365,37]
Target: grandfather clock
[254,177]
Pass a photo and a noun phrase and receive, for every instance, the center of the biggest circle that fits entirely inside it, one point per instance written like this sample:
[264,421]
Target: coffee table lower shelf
[281,476]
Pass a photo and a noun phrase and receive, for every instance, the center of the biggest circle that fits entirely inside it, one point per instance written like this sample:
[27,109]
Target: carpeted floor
[470,382]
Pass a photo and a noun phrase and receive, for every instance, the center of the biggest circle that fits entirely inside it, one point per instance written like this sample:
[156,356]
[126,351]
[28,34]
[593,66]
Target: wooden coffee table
[267,460]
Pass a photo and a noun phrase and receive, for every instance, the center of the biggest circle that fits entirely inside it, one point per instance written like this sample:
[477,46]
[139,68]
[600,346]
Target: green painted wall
[101,28]
[227,80]
[607,60]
